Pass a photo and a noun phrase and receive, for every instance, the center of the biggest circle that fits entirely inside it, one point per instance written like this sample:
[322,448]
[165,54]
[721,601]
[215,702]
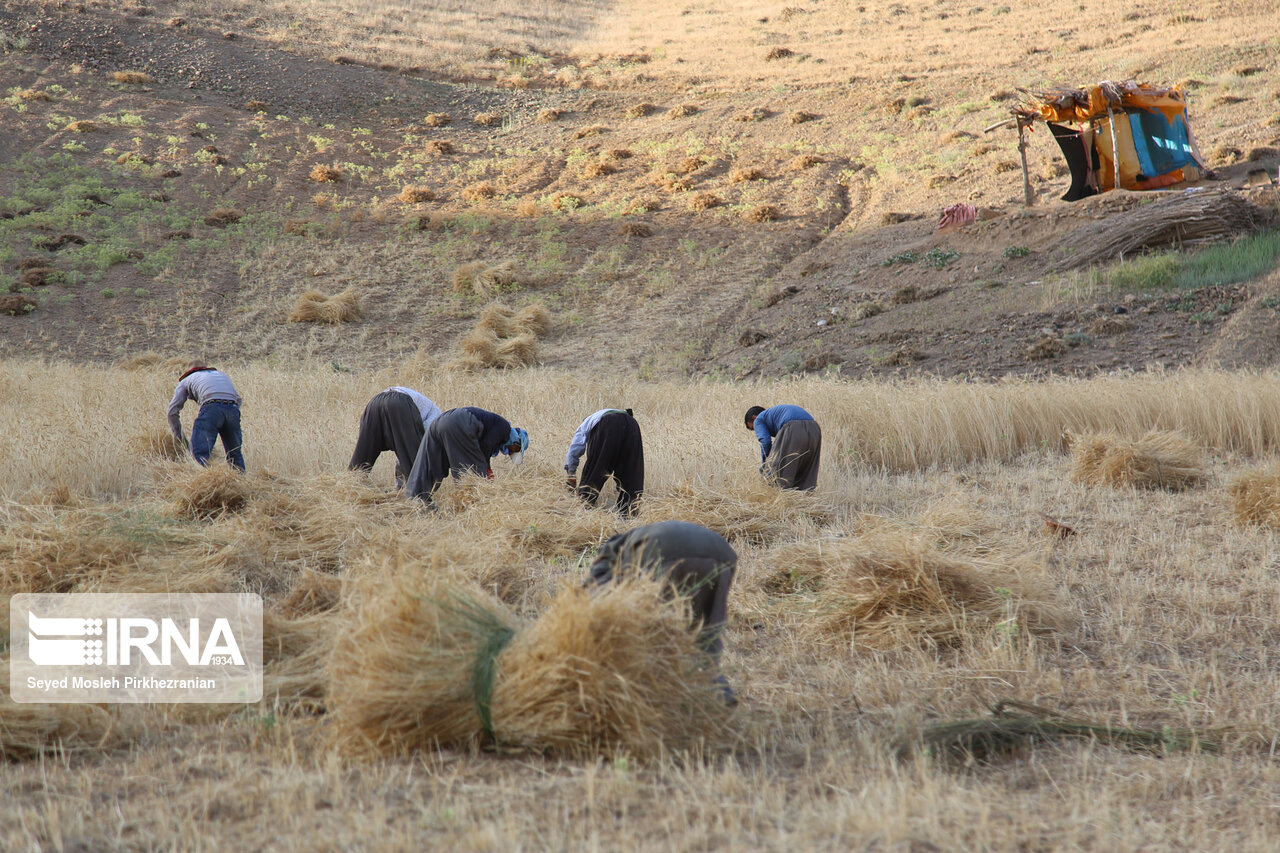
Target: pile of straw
[1255,497]
[27,731]
[316,307]
[159,444]
[444,664]
[613,669]
[1158,460]
[484,278]
[505,338]
[208,492]
[898,592]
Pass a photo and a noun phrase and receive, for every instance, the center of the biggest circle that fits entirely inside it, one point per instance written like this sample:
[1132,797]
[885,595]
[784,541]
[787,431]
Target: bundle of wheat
[413,667]
[895,591]
[1255,496]
[1158,460]
[316,307]
[29,730]
[159,444]
[609,669]
[208,492]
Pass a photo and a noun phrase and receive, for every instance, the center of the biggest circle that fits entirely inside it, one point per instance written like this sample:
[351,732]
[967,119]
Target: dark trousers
[451,445]
[391,421]
[614,448]
[797,450]
[217,420]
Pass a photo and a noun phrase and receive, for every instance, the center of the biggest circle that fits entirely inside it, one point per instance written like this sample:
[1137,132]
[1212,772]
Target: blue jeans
[217,419]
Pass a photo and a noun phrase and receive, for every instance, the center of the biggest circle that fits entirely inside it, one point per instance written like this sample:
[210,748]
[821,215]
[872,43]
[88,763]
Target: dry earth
[635,225]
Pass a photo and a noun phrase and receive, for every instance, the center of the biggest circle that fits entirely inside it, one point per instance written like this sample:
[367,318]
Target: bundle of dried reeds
[316,307]
[504,337]
[1157,460]
[1255,496]
[1179,219]
[614,668]
[484,278]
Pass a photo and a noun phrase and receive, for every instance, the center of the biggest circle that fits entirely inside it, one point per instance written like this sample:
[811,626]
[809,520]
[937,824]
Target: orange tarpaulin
[1092,102]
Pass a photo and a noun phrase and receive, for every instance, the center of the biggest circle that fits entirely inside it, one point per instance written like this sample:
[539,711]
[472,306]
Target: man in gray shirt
[219,413]
[394,420]
[691,561]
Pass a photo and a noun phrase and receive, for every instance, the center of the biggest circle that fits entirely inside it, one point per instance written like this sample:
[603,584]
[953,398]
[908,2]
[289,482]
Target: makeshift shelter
[1129,135]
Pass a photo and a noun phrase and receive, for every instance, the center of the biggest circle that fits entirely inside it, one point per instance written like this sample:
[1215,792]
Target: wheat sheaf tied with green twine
[493,635]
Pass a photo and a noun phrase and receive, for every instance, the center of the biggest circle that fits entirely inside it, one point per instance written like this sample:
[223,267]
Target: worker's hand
[488,473]
[571,482]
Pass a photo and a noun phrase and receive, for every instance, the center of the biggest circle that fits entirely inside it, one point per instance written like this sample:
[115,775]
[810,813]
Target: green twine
[483,671]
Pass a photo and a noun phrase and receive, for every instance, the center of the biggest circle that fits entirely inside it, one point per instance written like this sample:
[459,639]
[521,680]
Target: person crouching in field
[219,414]
[395,420]
[461,441]
[612,442]
[790,445]
[691,561]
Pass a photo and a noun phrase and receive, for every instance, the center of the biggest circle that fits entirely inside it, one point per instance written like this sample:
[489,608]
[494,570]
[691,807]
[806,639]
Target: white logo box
[135,647]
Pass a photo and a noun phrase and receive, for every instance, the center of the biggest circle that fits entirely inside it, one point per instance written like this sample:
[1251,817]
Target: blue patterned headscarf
[517,436]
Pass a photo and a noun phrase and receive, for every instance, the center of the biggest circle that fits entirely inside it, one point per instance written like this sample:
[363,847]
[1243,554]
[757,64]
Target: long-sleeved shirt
[201,386]
[429,410]
[578,445]
[496,430]
[771,420]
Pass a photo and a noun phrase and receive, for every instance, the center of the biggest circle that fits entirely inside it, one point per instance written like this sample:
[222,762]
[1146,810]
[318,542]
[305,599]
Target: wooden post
[1028,196]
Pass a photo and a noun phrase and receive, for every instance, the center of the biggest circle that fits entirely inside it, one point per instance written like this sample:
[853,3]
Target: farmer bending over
[395,420]
[790,445]
[611,440]
[461,441]
[219,413]
[692,561]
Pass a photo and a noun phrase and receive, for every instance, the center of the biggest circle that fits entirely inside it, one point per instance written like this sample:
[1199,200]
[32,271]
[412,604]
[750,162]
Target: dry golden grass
[700,202]
[800,117]
[485,279]
[1255,496]
[82,126]
[131,78]
[29,731]
[220,217]
[746,173]
[437,120]
[438,147]
[641,110]
[316,307]
[34,95]
[1157,460]
[803,161]
[549,115]
[323,174]
[158,444]
[487,119]
[481,191]
[416,195]
[682,111]
[208,492]
[597,169]
[762,213]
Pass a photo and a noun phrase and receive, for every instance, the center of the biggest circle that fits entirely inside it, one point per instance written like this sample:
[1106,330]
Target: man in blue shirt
[611,439]
[790,445]
[462,441]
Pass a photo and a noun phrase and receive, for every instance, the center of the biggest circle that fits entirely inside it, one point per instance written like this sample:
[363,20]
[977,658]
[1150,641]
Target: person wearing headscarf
[219,415]
[462,441]
[691,561]
[611,439]
[790,445]
[395,420]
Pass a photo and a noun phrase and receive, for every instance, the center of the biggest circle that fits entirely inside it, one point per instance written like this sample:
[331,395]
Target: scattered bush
[416,195]
[487,119]
[325,174]
[437,120]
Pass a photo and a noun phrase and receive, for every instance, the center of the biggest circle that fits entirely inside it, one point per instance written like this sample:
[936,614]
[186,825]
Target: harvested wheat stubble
[607,670]
[1255,496]
[751,512]
[28,731]
[316,307]
[1179,219]
[895,591]
[132,78]
[1157,460]
[158,444]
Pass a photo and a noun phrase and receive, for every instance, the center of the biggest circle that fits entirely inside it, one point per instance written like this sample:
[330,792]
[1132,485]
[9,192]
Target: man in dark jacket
[219,415]
[692,561]
[790,445]
[461,441]
[395,420]
[612,442]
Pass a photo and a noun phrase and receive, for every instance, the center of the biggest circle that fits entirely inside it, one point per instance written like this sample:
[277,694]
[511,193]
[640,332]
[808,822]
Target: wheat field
[1159,613]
